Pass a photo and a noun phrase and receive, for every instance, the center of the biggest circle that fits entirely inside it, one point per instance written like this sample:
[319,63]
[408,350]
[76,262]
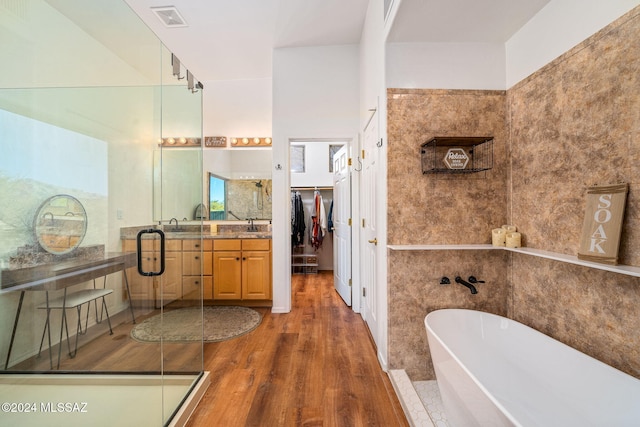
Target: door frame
[354,145]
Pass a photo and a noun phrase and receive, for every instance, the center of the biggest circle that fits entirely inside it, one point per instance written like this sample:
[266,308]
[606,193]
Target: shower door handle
[139,251]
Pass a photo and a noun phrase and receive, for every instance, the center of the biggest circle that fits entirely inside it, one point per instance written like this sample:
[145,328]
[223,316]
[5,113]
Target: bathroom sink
[253,234]
[174,230]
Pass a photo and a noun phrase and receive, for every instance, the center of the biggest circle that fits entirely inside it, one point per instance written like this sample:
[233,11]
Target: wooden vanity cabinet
[227,269]
[157,290]
[242,269]
[256,269]
[197,269]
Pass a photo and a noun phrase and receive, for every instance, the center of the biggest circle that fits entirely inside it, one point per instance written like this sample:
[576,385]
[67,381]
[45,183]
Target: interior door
[368,245]
[341,227]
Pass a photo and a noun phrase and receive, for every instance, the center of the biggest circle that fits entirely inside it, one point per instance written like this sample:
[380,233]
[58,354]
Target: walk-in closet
[311,229]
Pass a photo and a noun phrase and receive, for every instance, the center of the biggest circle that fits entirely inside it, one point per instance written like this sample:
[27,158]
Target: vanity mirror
[227,181]
[60,224]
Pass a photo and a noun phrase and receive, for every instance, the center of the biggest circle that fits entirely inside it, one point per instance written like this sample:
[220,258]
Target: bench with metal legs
[73,300]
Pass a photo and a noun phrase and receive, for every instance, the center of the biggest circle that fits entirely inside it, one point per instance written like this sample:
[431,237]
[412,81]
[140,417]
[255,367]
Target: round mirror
[60,224]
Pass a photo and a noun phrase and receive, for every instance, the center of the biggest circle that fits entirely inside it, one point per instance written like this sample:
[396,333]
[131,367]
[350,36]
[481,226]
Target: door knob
[374,241]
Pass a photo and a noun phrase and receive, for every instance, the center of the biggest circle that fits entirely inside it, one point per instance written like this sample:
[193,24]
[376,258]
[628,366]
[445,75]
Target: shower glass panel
[84,104]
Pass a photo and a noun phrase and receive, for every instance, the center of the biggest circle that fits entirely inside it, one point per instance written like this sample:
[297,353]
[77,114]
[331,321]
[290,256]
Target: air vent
[169,16]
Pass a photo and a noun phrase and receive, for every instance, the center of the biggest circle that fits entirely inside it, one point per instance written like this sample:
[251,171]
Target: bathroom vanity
[223,267]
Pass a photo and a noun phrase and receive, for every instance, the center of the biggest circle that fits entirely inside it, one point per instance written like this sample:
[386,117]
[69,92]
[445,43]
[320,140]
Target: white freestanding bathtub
[492,371]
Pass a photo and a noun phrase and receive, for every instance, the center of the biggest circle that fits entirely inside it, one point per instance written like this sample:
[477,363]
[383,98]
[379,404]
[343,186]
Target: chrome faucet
[252,227]
[173,219]
[467,284]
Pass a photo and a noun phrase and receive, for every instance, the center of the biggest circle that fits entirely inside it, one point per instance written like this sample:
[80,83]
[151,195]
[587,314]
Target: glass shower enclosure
[89,102]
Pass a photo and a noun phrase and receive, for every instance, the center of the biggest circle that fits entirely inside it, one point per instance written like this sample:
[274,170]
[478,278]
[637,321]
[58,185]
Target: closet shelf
[569,259]
[304,263]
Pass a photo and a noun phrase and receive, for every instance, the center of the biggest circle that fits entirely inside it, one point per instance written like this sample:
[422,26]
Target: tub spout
[467,284]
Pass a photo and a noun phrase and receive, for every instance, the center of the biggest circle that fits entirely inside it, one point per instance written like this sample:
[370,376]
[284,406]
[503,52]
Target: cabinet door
[141,287]
[256,275]
[196,263]
[227,275]
[169,285]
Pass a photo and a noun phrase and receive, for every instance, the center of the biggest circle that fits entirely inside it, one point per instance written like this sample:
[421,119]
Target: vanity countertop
[188,232]
[225,235]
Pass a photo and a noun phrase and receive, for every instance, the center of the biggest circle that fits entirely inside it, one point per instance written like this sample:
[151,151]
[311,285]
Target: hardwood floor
[314,366]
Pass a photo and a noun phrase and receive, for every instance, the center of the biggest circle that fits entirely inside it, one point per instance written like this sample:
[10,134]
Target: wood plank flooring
[314,366]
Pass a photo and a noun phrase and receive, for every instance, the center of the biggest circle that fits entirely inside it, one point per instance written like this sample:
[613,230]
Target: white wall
[315,96]
[558,27]
[237,108]
[445,65]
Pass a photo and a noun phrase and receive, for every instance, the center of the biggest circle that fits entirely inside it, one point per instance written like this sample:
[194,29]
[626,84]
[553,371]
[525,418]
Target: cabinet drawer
[196,245]
[227,245]
[256,244]
[152,244]
[194,286]
[194,262]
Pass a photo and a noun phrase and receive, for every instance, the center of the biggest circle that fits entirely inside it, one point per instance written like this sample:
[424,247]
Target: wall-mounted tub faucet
[472,279]
[445,281]
[467,284]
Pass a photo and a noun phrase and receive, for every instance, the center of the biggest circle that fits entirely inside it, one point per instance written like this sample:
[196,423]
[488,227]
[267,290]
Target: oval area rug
[186,324]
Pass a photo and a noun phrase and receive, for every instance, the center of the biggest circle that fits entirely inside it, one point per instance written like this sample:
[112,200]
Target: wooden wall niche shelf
[457,155]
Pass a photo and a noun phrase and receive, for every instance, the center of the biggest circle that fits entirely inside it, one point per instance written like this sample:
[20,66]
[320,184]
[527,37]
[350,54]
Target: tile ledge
[412,406]
[627,270]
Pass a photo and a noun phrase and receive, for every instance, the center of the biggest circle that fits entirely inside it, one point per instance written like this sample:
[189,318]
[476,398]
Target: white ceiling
[460,21]
[234,39]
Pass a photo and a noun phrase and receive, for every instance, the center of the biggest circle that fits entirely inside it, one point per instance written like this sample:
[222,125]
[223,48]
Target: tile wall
[572,124]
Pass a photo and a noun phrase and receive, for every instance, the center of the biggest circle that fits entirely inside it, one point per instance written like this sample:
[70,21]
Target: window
[297,158]
[217,197]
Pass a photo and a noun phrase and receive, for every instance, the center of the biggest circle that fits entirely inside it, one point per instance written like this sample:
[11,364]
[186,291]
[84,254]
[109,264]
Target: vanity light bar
[180,142]
[251,142]
[214,142]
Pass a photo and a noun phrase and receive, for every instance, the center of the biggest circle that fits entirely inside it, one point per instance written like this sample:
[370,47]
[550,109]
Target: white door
[369,227]
[341,227]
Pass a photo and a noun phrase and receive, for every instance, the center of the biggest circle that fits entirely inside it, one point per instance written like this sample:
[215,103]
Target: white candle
[509,228]
[498,237]
[514,240]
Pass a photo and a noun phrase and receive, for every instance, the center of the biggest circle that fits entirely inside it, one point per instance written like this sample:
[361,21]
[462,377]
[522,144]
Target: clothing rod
[310,188]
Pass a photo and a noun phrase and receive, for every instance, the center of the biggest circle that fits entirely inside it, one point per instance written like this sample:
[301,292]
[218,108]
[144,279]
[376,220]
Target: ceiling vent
[169,16]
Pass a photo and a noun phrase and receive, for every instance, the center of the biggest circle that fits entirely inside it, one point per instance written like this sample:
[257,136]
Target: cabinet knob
[197,257]
[196,282]
[244,258]
[237,259]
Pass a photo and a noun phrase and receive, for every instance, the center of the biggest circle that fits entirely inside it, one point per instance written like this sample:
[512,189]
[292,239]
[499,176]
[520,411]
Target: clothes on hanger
[330,218]
[297,220]
[319,221]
